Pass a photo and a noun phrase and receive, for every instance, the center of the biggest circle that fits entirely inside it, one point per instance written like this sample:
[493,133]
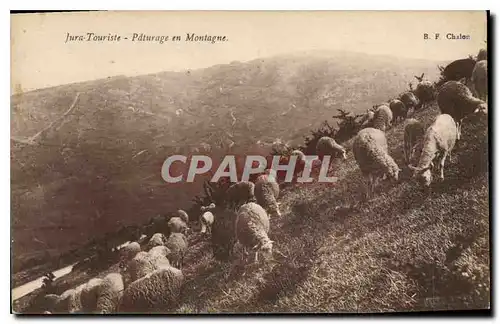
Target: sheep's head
[482,108]
[423,175]
[266,249]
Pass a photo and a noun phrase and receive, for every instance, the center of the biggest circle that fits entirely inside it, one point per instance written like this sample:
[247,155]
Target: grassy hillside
[100,168]
[403,250]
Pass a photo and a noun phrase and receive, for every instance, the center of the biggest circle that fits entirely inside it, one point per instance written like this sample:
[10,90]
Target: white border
[192,5]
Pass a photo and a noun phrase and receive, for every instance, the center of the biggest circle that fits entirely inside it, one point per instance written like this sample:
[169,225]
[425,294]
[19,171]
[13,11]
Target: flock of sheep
[151,280]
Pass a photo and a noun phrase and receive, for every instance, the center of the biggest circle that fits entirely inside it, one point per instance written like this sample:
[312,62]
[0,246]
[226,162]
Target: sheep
[456,100]
[88,297]
[367,119]
[302,163]
[252,228]
[69,302]
[439,140]
[480,80]
[398,109]
[144,263]
[413,136]
[109,293]
[177,244]
[155,292]
[157,239]
[458,69]
[424,92]
[183,215]
[482,55]
[159,251]
[267,191]
[206,220]
[128,252]
[409,100]
[382,118]
[240,193]
[328,146]
[371,153]
[177,225]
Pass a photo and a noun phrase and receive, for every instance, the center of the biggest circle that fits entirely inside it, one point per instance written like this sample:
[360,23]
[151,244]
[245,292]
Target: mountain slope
[100,168]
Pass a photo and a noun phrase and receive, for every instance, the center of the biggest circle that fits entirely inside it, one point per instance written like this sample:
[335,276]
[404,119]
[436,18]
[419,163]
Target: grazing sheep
[267,191]
[398,109]
[367,119]
[183,215]
[383,118]
[177,244]
[458,70]
[88,296]
[144,263]
[371,153]
[409,100]
[328,146]
[159,251]
[252,228]
[301,163]
[424,92]
[438,142]
[177,225]
[413,136]
[109,293]
[206,220]
[482,55]
[456,100]
[240,193]
[157,239]
[480,80]
[128,252]
[155,292]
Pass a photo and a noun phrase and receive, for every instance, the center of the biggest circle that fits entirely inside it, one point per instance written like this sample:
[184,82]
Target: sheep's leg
[256,256]
[441,165]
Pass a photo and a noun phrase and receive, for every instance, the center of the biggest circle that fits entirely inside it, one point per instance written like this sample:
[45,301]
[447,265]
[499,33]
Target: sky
[40,57]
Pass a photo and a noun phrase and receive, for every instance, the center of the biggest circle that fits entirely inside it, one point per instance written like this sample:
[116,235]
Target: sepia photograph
[236,162]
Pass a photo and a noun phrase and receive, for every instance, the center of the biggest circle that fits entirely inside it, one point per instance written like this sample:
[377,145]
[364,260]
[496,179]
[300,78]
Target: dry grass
[404,250]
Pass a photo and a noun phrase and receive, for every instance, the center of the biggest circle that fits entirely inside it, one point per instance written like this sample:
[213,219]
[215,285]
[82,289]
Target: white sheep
[157,239]
[367,119]
[455,99]
[252,228]
[130,250]
[480,80]
[267,192]
[207,220]
[328,146]
[177,225]
[371,153]
[159,251]
[155,292]
[144,263]
[177,244]
[413,136]
[383,118]
[109,293]
[438,142]
[88,297]
[183,215]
